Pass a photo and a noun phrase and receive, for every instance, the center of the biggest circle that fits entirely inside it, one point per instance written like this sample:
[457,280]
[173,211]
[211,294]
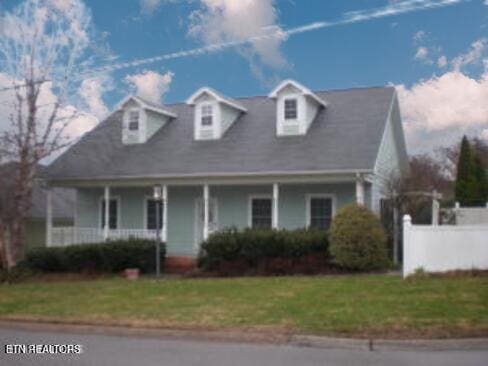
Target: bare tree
[43,46]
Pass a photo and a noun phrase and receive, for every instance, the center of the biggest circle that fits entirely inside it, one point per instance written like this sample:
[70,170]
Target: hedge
[106,257]
[250,247]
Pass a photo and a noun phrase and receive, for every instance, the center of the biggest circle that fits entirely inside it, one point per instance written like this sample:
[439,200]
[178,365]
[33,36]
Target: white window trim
[215,127]
[195,219]
[140,133]
[119,211]
[299,121]
[249,207]
[144,214]
[308,198]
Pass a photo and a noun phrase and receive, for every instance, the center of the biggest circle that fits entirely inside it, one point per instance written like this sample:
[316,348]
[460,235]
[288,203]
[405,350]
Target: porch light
[157,192]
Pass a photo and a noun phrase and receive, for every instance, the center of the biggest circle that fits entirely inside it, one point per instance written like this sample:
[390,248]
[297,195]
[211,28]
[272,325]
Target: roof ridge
[314,91]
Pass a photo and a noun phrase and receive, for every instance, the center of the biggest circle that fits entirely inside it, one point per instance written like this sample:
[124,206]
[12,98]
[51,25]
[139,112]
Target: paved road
[102,350]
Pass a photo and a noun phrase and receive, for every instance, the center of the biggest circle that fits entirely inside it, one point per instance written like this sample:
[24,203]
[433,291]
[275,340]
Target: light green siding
[232,201]
[154,121]
[228,115]
[292,207]
[88,207]
[392,159]
[35,231]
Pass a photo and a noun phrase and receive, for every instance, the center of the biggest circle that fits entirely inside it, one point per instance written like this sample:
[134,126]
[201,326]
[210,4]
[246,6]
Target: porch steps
[179,264]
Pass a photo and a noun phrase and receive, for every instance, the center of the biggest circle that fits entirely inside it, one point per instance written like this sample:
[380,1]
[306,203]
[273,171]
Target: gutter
[214,175]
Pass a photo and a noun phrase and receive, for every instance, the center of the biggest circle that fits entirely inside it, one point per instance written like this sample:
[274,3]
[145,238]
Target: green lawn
[347,305]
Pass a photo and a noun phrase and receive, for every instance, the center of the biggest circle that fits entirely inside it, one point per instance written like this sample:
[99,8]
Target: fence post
[435,208]
[407,225]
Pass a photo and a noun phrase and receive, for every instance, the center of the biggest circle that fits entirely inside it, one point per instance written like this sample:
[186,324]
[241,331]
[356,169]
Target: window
[133,120]
[320,212]
[113,214]
[290,108]
[207,115]
[261,213]
[151,214]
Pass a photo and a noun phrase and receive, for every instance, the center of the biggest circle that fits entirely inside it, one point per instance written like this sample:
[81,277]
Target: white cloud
[473,56]
[484,133]
[436,109]
[149,6]
[419,36]
[422,53]
[227,20]
[486,2]
[92,90]
[442,61]
[150,84]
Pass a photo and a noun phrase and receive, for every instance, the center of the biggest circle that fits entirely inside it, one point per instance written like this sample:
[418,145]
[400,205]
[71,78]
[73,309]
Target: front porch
[189,213]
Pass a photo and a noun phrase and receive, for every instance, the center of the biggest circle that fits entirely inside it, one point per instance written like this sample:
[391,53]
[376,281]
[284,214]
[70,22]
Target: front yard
[368,305]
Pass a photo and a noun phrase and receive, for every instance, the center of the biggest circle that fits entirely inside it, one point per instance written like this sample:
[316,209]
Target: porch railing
[64,236]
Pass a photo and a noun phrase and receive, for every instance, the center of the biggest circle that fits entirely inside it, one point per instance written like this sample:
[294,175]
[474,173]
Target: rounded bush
[358,240]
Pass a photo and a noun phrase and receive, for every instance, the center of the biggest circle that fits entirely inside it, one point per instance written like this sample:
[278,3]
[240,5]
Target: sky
[435,52]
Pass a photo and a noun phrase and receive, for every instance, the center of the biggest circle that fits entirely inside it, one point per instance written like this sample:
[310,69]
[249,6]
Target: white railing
[64,236]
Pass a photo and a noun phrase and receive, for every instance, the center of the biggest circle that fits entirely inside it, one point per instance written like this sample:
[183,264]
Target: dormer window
[141,119]
[213,114]
[133,120]
[296,108]
[290,109]
[207,115]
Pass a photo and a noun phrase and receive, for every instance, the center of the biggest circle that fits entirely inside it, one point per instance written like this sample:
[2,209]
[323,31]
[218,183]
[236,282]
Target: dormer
[141,119]
[213,114]
[296,108]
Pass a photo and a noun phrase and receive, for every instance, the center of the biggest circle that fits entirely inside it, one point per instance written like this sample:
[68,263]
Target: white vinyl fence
[471,215]
[443,248]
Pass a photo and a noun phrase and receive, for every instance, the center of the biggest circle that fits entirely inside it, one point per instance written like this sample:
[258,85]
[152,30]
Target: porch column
[359,189]
[49,216]
[275,214]
[205,211]
[106,222]
[164,235]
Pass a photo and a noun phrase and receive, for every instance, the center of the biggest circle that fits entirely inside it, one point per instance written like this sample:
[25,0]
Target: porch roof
[343,137]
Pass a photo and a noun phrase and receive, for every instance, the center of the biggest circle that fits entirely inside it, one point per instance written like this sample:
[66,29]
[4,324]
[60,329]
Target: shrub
[273,251]
[358,240]
[106,257]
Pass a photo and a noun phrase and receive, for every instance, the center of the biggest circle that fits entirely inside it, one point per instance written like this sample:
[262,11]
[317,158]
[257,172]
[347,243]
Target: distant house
[63,205]
[287,160]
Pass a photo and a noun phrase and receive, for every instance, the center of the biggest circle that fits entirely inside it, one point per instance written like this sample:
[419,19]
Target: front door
[199,217]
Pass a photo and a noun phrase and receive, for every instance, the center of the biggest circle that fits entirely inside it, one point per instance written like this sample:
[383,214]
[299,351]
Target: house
[287,160]
[62,204]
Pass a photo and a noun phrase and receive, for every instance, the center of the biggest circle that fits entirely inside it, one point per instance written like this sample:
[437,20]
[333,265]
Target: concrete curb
[461,344]
[230,336]
[277,338]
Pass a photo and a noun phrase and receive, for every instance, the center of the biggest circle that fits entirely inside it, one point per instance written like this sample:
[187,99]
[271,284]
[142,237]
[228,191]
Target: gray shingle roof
[344,136]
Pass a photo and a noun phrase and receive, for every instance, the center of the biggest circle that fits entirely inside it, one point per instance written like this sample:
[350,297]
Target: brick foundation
[179,264]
